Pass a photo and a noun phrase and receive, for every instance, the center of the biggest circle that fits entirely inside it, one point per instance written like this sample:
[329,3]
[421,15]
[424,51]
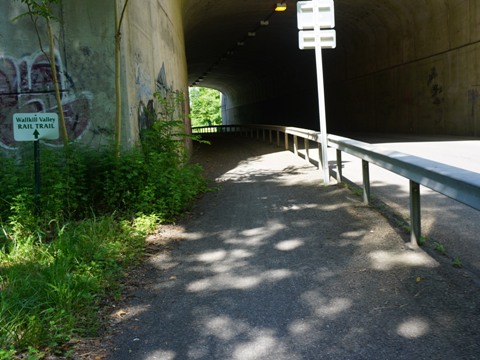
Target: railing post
[415,216]
[320,156]
[366,182]
[307,149]
[286,141]
[339,166]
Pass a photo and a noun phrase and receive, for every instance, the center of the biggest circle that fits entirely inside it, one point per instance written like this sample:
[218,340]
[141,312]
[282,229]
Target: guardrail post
[415,216]
[320,156]
[295,144]
[306,142]
[339,166]
[366,182]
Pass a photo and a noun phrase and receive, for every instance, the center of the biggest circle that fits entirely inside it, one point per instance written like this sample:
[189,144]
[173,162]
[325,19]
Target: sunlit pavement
[273,265]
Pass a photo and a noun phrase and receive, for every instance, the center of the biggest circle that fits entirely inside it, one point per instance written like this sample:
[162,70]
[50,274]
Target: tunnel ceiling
[374,34]
[219,47]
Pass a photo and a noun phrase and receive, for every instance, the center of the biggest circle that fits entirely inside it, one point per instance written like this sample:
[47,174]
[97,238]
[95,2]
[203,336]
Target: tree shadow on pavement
[275,266]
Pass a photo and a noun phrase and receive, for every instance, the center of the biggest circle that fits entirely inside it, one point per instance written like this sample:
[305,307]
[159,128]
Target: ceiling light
[240,43]
[251,34]
[281,6]
[264,22]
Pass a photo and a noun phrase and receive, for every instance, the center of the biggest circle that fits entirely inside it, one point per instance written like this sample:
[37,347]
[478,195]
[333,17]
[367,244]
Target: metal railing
[458,184]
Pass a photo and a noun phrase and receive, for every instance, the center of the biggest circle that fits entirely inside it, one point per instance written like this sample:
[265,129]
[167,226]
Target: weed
[440,248]
[457,262]
[422,240]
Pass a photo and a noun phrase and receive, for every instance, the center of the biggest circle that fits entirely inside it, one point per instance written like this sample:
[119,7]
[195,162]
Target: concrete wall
[85,66]
[156,62]
[153,58]
[410,67]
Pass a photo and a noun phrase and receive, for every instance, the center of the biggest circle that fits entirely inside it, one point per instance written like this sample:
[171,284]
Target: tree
[43,9]
[205,107]
[118,94]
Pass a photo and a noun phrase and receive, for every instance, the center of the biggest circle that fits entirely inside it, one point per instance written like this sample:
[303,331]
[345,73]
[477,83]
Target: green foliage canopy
[205,106]
[40,8]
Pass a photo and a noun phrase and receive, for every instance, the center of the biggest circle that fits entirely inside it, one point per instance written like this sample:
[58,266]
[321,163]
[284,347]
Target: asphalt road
[273,266]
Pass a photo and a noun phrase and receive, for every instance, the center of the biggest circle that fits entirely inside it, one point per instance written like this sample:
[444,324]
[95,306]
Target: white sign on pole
[313,16]
[307,39]
[35,126]
[308,18]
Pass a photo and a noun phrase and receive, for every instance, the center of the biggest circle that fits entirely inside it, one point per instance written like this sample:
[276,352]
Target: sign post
[36,161]
[34,127]
[312,17]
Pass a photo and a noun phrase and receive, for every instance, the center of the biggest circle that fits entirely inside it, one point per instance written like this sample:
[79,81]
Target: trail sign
[312,17]
[307,39]
[35,126]
[311,14]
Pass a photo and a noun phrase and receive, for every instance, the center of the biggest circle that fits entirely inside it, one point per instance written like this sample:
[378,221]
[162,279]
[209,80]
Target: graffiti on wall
[147,112]
[26,86]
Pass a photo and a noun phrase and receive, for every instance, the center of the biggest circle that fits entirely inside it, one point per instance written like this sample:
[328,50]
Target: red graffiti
[26,85]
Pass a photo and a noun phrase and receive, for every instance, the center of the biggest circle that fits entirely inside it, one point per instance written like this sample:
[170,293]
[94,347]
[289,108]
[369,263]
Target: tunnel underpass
[400,66]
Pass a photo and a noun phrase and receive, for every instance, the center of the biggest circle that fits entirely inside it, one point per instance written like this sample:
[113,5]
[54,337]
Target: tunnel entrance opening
[205,106]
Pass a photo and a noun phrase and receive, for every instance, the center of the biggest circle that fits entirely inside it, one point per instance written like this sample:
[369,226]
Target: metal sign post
[313,16]
[36,160]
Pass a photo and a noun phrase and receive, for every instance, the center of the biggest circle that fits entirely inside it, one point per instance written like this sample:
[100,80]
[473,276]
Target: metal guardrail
[458,184]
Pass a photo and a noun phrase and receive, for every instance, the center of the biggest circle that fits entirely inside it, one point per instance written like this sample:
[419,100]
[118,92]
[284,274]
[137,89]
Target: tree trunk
[53,65]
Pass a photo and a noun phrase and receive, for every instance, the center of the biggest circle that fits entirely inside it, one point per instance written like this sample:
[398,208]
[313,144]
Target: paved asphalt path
[273,266]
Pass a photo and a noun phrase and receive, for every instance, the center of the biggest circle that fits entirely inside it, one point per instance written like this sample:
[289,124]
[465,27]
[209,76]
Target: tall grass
[51,292]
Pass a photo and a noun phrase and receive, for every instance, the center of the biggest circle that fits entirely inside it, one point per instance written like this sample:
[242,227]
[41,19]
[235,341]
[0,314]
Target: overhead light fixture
[251,34]
[281,6]
[240,43]
[264,22]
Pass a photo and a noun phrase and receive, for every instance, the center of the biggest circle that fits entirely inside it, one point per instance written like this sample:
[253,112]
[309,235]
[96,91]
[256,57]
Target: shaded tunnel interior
[400,66]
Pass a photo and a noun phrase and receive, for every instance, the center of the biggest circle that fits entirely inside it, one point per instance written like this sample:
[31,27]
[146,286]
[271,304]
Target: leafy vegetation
[457,262]
[59,264]
[440,248]
[205,107]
